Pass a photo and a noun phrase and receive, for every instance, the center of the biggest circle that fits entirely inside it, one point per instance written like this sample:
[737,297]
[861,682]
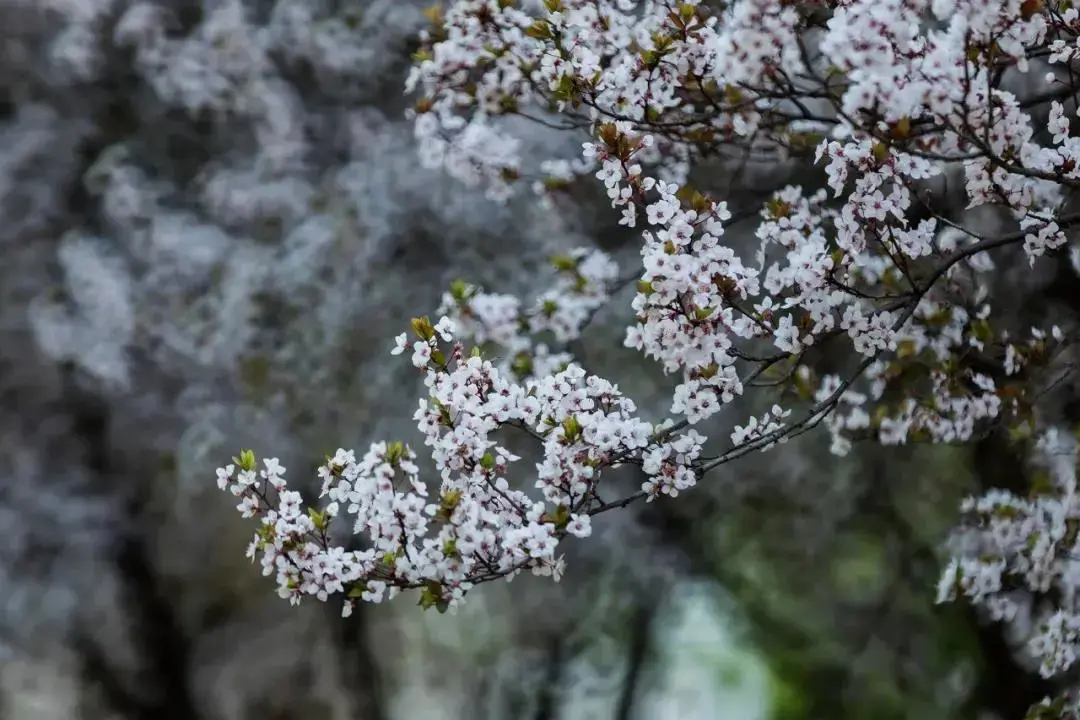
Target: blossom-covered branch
[893,99]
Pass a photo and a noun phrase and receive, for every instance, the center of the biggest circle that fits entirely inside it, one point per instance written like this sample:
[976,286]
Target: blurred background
[212,224]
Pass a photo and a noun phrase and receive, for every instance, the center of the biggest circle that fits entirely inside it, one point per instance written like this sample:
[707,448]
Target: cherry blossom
[892,100]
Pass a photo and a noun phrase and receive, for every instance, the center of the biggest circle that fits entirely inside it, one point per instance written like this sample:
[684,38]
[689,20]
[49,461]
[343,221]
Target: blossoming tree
[907,105]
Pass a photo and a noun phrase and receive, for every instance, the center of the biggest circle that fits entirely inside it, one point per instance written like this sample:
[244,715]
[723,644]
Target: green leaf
[318,519]
[246,460]
[459,290]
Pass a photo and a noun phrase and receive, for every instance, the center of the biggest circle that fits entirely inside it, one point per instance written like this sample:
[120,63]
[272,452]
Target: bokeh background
[212,224]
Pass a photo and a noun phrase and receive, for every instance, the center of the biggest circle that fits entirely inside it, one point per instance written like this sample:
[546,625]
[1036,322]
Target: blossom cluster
[477,526]
[586,278]
[661,65]
[1017,550]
